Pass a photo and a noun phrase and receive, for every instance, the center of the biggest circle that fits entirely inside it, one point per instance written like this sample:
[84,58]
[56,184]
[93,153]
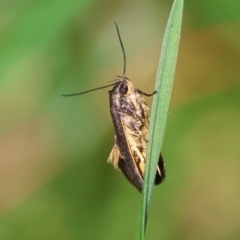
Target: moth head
[125,87]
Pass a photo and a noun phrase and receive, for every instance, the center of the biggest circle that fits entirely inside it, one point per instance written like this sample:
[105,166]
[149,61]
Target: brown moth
[129,114]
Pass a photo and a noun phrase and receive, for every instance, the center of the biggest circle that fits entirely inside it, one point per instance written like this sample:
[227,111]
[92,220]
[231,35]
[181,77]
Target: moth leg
[146,94]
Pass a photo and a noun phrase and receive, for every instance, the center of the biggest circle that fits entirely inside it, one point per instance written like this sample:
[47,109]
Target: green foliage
[160,106]
[40,24]
[54,179]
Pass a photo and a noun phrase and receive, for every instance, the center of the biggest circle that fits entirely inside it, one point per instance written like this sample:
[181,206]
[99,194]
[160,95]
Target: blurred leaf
[40,24]
[205,13]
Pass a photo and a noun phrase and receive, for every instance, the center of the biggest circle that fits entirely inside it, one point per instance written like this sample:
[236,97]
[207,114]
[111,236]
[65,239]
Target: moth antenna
[124,71]
[114,80]
[124,54]
[91,90]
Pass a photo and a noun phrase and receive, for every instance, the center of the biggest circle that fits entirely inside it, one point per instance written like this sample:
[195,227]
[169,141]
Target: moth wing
[161,171]
[114,156]
[131,173]
[135,147]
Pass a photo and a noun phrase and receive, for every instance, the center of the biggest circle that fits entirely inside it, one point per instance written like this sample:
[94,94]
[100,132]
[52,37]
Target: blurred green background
[54,179]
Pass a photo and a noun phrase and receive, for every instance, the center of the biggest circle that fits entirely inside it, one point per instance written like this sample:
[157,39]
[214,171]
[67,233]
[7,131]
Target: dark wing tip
[161,171]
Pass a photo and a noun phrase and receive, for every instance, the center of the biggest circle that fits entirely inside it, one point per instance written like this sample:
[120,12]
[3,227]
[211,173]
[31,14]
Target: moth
[128,110]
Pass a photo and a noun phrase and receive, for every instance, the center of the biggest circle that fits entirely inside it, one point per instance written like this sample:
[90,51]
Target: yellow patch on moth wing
[133,100]
[141,101]
[136,138]
[141,135]
[132,142]
[141,109]
[114,156]
[142,168]
[139,154]
[136,145]
[130,131]
[138,103]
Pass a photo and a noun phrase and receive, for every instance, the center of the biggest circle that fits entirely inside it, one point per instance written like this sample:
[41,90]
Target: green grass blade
[161,100]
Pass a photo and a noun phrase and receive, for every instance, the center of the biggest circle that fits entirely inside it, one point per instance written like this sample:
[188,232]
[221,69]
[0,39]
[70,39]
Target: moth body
[129,114]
